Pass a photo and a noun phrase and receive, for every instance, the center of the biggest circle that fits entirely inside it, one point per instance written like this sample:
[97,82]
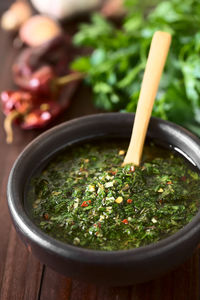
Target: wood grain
[152,74]
[23,277]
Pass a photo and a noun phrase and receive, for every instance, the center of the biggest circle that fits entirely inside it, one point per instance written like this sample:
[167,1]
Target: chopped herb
[86,198]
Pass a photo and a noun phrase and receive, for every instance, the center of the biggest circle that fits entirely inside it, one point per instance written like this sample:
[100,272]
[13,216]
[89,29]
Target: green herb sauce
[86,198]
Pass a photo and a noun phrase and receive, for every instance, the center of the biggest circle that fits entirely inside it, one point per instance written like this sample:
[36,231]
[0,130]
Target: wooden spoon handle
[155,63]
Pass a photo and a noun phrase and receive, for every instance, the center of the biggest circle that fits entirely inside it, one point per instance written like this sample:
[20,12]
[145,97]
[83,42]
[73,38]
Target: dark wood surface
[22,276]
[4,5]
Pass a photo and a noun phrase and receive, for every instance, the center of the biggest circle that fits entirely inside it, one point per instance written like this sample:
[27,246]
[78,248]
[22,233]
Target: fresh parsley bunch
[115,68]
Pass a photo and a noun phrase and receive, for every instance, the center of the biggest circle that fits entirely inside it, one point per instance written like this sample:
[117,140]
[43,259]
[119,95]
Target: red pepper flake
[46,216]
[132,169]
[129,201]
[113,172]
[169,182]
[183,178]
[125,221]
[84,204]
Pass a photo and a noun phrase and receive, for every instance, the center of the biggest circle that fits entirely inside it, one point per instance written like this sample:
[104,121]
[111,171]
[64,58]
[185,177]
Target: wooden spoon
[155,63]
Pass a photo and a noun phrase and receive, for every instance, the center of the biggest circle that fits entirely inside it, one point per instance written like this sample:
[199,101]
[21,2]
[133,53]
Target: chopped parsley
[86,198]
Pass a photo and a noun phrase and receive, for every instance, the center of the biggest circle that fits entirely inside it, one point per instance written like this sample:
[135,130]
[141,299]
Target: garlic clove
[61,9]
[9,21]
[38,30]
[15,16]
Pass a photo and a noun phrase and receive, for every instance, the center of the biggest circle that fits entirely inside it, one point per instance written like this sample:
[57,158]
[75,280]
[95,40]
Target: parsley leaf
[115,68]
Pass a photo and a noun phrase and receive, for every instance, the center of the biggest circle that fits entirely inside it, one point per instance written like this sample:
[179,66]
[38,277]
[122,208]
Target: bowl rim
[23,222]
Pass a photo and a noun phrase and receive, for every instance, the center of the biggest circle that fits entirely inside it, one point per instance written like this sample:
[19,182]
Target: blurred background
[104,44]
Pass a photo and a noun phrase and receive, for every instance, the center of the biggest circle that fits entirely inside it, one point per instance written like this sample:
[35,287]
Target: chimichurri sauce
[86,198]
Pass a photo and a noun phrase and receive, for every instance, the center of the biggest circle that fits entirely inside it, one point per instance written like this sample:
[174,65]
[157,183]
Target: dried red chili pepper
[27,110]
[41,115]
[38,82]
[39,72]
[14,105]
[34,111]
[36,67]
[16,100]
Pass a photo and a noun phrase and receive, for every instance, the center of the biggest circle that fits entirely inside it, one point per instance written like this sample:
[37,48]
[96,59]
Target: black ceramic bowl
[101,267]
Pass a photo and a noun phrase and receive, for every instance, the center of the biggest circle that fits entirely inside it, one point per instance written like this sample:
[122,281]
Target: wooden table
[22,276]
